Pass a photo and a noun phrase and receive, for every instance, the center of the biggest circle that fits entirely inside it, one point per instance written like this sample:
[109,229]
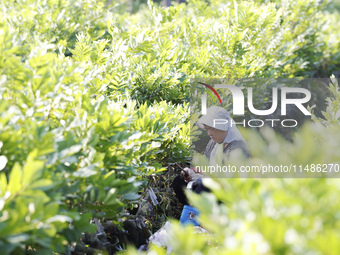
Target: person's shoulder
[238,144]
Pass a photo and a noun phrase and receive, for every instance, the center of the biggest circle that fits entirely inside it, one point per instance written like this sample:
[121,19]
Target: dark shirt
[238,144]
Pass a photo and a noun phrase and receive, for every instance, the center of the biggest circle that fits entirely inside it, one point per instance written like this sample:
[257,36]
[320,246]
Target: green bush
[83,155]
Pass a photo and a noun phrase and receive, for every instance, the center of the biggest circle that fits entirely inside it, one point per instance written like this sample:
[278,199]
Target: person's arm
[191,174]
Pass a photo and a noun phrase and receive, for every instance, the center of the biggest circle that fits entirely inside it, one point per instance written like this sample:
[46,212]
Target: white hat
[216,117]
[219,118]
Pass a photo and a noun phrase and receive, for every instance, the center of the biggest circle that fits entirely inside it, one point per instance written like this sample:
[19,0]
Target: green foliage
[91,162]
[53,22]
[171,124]
[332,113]
[158,50]
[31,216]
[90,153]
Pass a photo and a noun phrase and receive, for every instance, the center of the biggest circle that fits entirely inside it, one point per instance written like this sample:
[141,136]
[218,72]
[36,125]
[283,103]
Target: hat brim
[208,120]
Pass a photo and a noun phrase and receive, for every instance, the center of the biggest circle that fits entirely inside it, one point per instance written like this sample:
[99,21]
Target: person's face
[215,134]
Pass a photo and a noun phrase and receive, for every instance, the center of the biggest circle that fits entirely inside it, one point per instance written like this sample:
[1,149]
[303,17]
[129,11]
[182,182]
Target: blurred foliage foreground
[93,109]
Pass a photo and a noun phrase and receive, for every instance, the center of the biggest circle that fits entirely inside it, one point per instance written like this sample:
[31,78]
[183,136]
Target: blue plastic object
[189,215]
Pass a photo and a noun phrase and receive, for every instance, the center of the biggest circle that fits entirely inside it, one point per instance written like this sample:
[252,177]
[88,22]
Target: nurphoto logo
[239,105]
